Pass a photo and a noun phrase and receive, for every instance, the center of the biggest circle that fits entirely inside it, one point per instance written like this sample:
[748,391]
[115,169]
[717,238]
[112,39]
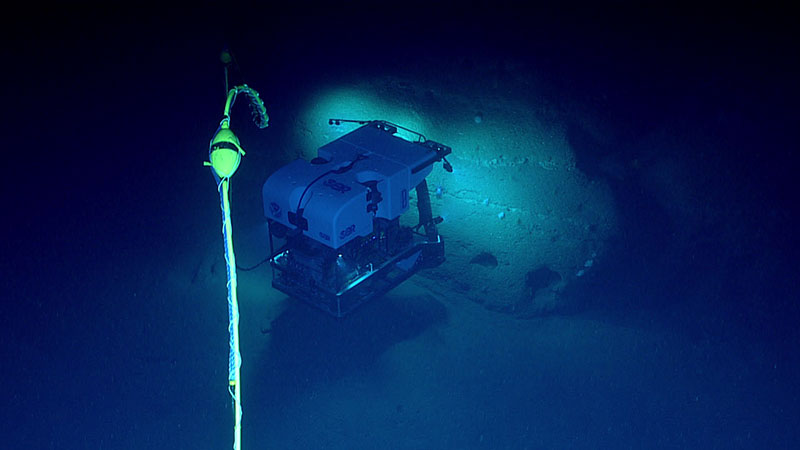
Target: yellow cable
[224,157]
[235,381]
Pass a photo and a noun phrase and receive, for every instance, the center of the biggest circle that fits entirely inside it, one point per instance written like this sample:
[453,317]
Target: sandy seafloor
[140,361]
[115,322]
[416,369]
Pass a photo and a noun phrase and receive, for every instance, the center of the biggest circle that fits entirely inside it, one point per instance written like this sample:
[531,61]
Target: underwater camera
[335,234]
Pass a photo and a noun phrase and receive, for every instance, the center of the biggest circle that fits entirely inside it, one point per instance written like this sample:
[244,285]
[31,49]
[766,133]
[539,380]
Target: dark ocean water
[114,322]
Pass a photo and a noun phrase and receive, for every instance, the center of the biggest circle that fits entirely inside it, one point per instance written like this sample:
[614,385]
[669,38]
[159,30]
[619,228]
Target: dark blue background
[107,116]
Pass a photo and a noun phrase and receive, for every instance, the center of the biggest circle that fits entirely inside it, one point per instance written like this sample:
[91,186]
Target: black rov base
[339,280]
[301,275]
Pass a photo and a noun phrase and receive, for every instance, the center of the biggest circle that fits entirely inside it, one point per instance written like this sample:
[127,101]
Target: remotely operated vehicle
[335,232]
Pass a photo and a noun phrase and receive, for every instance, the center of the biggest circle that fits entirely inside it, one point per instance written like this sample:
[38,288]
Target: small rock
[484,259]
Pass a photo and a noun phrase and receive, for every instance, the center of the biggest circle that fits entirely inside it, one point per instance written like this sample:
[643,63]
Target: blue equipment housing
[337,217]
